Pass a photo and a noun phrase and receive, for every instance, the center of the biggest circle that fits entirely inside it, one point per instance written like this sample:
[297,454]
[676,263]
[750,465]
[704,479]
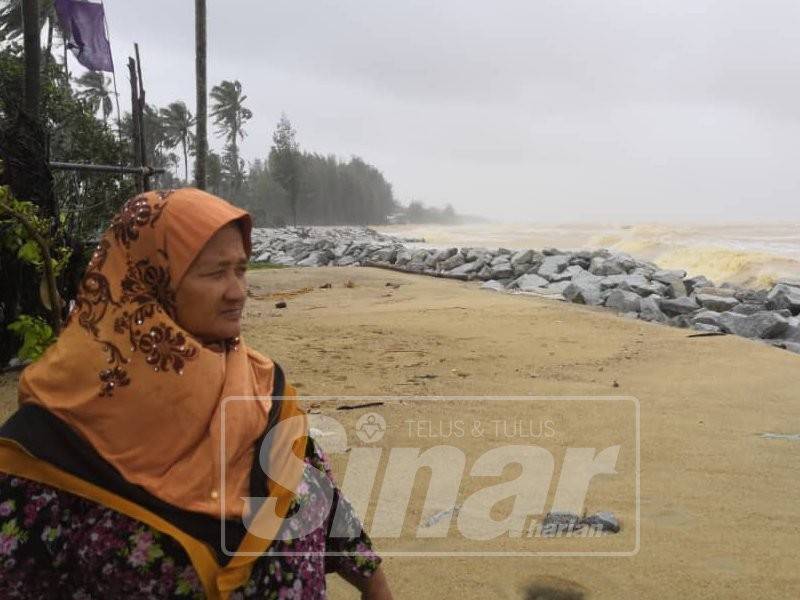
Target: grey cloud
[647,110]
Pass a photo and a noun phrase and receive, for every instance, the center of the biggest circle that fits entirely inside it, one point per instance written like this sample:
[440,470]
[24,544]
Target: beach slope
[719,514]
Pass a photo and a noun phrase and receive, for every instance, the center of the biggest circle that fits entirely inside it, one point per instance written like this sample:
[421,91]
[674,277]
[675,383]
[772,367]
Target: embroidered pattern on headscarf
[137,213]
[146,288]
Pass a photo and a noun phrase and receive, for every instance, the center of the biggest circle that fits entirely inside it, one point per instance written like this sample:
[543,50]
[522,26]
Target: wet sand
[719,516]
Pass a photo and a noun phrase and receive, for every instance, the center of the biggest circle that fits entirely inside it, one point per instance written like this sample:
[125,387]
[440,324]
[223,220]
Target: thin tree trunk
[202,107]
[185,160]
[48,55]
[66,64]
[235,152]
[30,24]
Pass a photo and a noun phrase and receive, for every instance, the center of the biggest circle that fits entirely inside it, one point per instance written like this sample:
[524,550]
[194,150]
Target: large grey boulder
[626,262]
[367,251]
[611,281]
[476,253]
[699,281]
[715,291]
[522,269]
[792,332]
[764,325]
[529,282]
[485,273]
[581,259]
[501,270]
[340,250]
[649,310]
[315,259]
[416,266]
[677,306]
[493,285]
[587,277]
[565,275]
[708,317]
[466,268]
[583,292]
[642,286]
[558,287]
[749,308]
[747,295]
[385,255]
[421,255]
[451,263]
[553,265]
[403,257]
[605,266]
[522,257]
[624,301]
[666,276]
[717,303]
[437,256]
[500,258]
[784,296]
[682,321]
[346,261]
[675,288]
[286,260]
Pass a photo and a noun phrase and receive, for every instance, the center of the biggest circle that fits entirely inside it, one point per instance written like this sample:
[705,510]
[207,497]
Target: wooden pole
[201,135]
[142,105]
[30,26]
[137,146]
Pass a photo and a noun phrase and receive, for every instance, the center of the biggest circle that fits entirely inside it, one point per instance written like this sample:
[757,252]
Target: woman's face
[211,296]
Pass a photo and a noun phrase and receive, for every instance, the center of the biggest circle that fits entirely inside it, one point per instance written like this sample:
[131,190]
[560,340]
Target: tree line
[288,186]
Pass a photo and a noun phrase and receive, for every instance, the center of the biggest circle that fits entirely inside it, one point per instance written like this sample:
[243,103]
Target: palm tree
[230,116]
[11,18]
[178,123]
[96,92]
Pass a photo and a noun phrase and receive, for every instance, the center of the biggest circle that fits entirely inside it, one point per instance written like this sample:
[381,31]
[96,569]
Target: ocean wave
[754,255]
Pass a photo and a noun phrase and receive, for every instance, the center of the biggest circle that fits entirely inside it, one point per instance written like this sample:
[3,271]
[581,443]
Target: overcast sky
[514,109]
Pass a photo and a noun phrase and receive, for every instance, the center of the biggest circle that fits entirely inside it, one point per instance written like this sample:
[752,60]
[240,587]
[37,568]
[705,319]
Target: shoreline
[638,288]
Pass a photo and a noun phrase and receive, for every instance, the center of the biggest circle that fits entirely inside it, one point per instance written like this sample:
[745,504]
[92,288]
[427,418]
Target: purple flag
[84,25]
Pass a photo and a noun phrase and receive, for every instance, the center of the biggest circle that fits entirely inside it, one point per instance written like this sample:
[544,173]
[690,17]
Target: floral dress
[54,544]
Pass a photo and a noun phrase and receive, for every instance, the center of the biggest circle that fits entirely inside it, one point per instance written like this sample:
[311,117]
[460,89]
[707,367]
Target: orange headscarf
[141,390]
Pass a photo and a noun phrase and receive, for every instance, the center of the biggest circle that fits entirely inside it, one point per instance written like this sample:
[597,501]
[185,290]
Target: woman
[111,470]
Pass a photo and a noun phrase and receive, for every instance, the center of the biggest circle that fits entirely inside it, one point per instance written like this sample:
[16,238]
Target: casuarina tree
[284,162]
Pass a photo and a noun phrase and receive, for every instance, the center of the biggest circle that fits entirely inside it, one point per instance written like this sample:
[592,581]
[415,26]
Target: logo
[370,428]
[456,476]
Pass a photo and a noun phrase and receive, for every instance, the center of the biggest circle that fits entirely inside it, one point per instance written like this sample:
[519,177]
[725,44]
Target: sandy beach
[719,512]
